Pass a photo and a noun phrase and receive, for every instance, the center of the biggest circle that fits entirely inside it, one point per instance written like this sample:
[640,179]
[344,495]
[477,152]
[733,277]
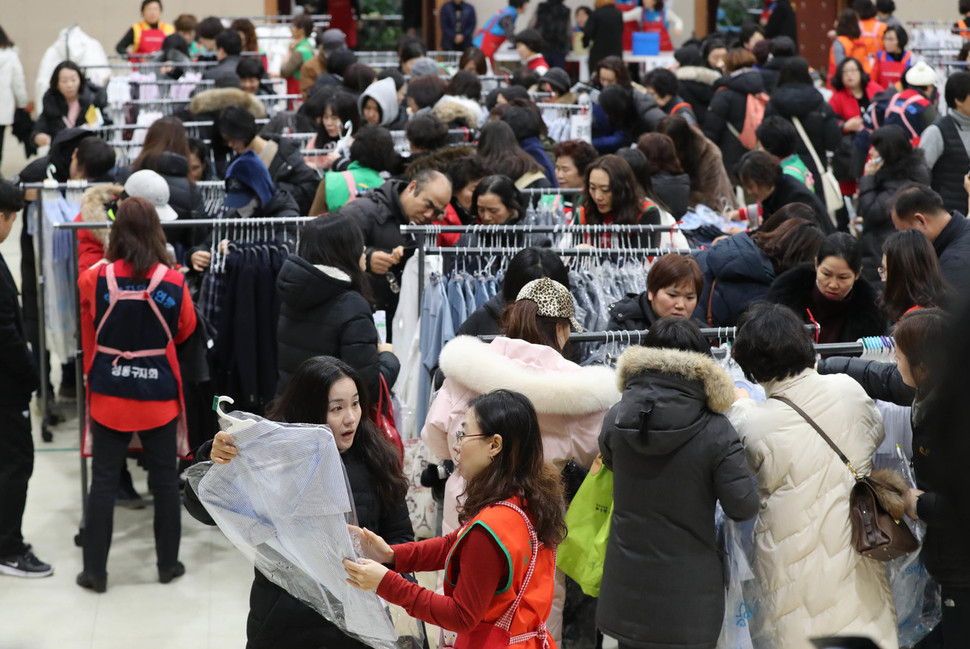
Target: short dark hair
[229,41]
[581,152]
[12,196]
[426,90]
[399,80]
[250,68]
[795,70]
[762,51]
[531,38]
[964,6]
[836,79]
[145,3]
[373,147]
[865,8]
[675,270]
[358,76]
[957,87]
[529,264]
[209,28]
[844,246]
[772,343]
[885,6]
[304,22]
[465,83]
[749,29]
[96,157]
[677,333]
[782,46]
[411,47]
[518,4]
[427,132]
[466,170]
[663,81]
[503,187]
[777,136]
[922,336]
[524,78]
[848,24]
[758,167]
[914,197]
[901,35]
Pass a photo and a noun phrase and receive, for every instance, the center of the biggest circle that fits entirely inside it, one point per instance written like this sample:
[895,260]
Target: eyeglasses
[882,273]
[462,435]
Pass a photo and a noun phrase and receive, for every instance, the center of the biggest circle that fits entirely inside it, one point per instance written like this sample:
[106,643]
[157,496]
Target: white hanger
[236,425]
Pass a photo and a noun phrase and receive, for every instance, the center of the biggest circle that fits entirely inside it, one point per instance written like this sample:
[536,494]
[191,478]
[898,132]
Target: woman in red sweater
[500,565]
[134,310]
[854,91]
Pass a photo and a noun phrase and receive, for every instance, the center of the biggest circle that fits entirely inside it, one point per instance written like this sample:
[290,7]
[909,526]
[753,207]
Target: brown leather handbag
[875,533]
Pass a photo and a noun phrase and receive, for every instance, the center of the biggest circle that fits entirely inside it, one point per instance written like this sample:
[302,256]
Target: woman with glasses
[570,400]
[500,565]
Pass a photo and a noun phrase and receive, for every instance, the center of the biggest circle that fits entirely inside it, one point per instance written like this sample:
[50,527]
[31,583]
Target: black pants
[956,618]
[16,466]
[109,450]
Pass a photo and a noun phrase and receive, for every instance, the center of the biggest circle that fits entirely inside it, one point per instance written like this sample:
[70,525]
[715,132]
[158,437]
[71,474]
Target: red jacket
[846,106]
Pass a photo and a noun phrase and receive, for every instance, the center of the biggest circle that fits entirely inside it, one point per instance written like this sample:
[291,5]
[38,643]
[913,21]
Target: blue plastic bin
[646,43]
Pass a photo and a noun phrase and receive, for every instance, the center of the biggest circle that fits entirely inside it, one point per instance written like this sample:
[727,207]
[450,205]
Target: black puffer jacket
[632,313]
[697,86]
[674,455]
[673,190]
[790,190]
[552,21]
[380,215]
[289,171]
[322,315]
[952,247]
[852,318]
[729,106]
[771,70]
[737,273]
[820,122]
[51,120]
[945,544]
[875,206]
[484,321]
[276,618]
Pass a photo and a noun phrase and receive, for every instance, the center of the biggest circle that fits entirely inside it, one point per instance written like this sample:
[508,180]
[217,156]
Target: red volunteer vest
[509,530]
[148,40]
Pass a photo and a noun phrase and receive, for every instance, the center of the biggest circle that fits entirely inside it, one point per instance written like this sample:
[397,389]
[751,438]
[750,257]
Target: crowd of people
[834,199]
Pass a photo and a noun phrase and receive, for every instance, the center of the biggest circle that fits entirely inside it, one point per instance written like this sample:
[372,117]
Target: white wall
[34,25]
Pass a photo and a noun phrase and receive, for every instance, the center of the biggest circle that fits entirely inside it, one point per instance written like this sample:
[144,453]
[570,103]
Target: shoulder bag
[875,533]
[830,186]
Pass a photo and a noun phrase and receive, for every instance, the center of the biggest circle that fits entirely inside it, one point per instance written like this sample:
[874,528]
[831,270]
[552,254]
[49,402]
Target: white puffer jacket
[13,89]
[814,581]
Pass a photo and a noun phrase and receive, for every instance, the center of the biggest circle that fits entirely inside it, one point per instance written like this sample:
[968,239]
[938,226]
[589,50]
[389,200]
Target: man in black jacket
[381,212]
[919,207]
[761,177]
[18,380]
[283,158]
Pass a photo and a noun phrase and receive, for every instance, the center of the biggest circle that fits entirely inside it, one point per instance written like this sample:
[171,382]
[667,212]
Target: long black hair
[67,65]
[305,400]
[913,276]
[336,240]
[624,188]
[503,187]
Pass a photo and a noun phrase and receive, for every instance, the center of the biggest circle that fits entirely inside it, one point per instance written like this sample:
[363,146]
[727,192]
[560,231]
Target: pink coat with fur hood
[570,400]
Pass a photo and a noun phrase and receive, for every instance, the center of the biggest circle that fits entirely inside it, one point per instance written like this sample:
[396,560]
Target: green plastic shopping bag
[582,553]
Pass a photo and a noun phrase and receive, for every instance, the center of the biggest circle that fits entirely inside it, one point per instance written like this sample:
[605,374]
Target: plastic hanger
[236,424]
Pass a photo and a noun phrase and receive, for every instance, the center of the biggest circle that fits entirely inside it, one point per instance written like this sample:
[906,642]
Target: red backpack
[754,113]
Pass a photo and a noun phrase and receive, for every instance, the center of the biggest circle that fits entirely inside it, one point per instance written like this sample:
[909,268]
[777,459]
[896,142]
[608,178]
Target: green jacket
[794,167]
[338,189]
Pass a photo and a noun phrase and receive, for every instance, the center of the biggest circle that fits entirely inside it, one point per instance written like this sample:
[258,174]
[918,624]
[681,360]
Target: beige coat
[815,583]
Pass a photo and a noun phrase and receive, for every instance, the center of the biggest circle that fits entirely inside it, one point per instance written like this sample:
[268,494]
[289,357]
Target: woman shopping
[276,618]
[500,565]
[134,310]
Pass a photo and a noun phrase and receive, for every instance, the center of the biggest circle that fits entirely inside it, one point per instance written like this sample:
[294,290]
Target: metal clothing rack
[76,227]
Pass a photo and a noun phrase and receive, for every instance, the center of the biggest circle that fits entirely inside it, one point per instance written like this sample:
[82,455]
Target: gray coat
[673,455]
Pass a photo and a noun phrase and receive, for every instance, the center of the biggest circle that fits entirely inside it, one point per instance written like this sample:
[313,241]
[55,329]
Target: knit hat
[247,177]
[558,79]
[238,123]
[921,75]
[152,187]
[552,298]
[424,65]
[333,39]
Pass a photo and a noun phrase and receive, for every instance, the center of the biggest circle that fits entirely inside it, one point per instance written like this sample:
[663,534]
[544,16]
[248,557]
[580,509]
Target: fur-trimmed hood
[451,108]
[669,396]
[553,384]
[216,99]
[698,73]
[93,202]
